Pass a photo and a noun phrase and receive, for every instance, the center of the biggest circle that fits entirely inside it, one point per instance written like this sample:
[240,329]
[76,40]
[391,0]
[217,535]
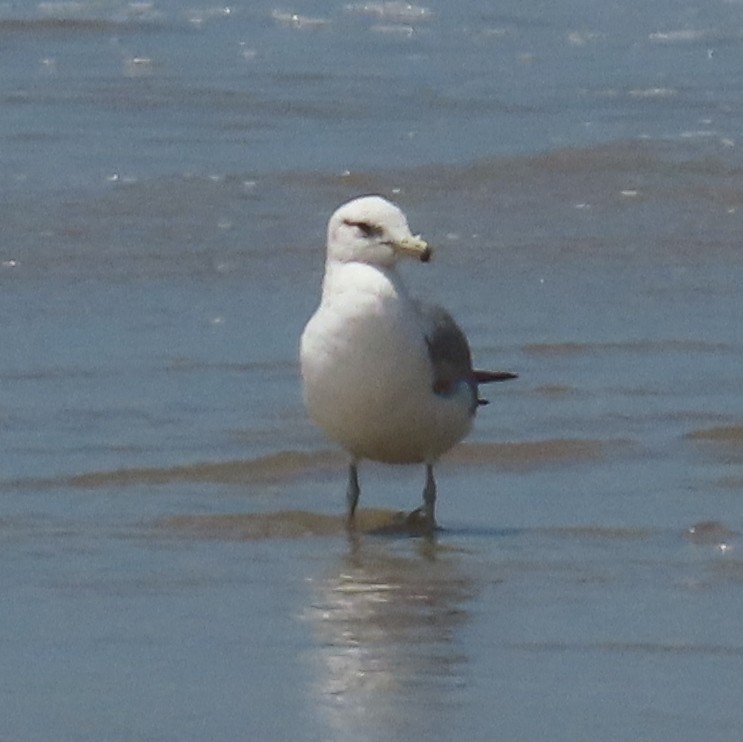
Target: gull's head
[372,230]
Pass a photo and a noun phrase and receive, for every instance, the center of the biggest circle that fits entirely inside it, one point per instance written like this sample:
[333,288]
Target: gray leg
[353,491]
[429,498]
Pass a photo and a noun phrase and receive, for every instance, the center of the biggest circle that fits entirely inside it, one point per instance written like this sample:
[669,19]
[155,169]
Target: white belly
[367,377]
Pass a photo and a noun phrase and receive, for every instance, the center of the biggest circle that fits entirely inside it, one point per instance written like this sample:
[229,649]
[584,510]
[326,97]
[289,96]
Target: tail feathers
[485,377]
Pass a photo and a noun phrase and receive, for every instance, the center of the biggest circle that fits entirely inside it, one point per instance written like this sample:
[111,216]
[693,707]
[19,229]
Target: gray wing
[450,355]
[448,348]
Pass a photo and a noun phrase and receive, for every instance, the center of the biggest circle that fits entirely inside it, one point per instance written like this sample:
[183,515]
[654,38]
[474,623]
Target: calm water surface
[174,562]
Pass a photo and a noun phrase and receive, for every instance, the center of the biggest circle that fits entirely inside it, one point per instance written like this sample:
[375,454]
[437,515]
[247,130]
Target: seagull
[387,377]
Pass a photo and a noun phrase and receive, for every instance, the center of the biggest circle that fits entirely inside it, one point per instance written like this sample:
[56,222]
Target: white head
[372,230]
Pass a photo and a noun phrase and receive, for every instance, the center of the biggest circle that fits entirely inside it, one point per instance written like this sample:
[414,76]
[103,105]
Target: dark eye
[368,230]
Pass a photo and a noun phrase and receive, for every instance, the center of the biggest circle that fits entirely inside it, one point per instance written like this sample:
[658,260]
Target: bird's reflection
[387,657]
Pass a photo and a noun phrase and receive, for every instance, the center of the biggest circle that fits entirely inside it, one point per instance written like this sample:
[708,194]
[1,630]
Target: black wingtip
[486,377]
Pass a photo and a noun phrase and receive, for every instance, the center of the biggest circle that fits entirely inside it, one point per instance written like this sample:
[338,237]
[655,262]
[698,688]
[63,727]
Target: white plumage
[386,377]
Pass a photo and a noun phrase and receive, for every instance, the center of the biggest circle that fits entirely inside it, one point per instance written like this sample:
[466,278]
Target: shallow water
[175,563]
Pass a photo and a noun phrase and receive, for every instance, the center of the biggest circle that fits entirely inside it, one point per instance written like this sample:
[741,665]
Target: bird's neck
[382,281]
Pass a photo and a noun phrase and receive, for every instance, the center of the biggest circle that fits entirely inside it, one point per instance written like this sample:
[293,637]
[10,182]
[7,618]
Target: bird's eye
[368,230]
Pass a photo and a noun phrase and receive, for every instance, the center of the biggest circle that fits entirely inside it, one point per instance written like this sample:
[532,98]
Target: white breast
[367,375]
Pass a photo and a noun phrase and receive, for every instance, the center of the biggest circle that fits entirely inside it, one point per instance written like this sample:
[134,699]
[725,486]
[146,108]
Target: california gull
[386,376]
